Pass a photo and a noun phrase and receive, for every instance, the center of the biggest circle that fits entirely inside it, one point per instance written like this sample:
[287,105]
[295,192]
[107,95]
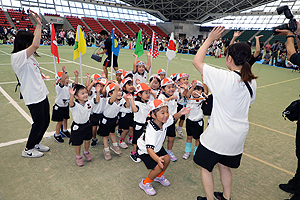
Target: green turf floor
[268,159]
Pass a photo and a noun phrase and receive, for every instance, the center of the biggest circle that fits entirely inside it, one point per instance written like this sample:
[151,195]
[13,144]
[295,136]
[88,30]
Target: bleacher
[229,35]
[50,14]
[281,38]
[133,26]
[158,31]
[109,26]
[3,20]
[266,35]
[123,28]
[74,21]
[93,24]
[145,28]
[246,35]
[16,16]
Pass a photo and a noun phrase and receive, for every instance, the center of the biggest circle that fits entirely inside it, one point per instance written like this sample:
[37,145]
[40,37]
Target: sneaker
[66,134]
[79,161]
[162,180]
[135,157]
[41,147]
[58,138]
[201,198]
[186,155]
[291,187]
[31,153]
[87,156]
[107,155]
[148,188]
[172,156]
[116,149]
[123,145]
[295,196]
[219,196]
[94,142]
[179,132]
[119,132]
[129,140]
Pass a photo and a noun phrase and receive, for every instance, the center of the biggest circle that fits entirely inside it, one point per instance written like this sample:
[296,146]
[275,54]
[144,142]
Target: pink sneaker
[162,180]
[87,156]
[79,161]
[147,188]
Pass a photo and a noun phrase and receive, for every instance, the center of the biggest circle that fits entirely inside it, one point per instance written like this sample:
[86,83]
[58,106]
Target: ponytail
[246,73]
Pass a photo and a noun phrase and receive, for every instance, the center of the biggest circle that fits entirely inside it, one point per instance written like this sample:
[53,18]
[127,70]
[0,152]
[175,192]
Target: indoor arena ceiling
[195,10]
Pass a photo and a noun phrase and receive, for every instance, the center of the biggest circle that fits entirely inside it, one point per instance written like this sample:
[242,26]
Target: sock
[115,144]
[78,156]
[195,149]
[133,152]
[106,149]
[160,174]
[179,128]
[57,134]
[65,130]
[94,139]
[122,139]
[147,180]
[85,152]
[188,147]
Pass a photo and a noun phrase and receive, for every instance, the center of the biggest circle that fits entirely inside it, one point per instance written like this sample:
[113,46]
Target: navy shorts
[80,132]
[96,119]
[179,107]
[126,121]
[208,159]
[138,130]
[171,130]
[107,61]
[194,129]
[107,126]
[149,162]
[60,113]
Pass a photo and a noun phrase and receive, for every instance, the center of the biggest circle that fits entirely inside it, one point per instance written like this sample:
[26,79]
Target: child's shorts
[171,130]
[149,162]
[80,132]
[126,120]
[208,159]
[96,119]
[138,129]
[60,113]
[179,107]
[107,126]
[194,129]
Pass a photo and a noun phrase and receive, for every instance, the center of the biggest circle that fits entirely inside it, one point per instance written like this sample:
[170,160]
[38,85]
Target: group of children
[147,113]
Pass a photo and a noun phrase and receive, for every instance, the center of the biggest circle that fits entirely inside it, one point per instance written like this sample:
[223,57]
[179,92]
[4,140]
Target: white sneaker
[32,153]
[129,140]
[41,147]
[123,145]
[179,132]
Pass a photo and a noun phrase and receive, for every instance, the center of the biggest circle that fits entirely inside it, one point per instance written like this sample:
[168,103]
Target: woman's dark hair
[158,79]
[138,98]
[123,88]
[241,53]
[78,87]
[22,41]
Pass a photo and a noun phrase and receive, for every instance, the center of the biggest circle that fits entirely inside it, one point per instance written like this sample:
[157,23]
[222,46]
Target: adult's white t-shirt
[33,88]
[228,127]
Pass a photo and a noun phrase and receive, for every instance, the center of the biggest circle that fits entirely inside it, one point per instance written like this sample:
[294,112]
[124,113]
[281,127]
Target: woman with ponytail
[234,91]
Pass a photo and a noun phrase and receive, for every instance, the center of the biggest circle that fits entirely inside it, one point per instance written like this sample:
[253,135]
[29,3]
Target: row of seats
[3,19]
[109,26]
[74,21]
[22,24]
[50,14]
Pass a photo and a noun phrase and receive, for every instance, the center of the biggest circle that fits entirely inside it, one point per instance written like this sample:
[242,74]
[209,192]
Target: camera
[292,25]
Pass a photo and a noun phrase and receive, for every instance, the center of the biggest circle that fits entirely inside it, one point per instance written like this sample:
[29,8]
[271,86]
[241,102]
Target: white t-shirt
[33,88]
[142,78]
[172,104]
[99,107]
[63,94]
[143,110]
[228,126]
[81,113]
[196,112]
[181,100]
[152,97]
[154,136]
[125,110]
[112,110]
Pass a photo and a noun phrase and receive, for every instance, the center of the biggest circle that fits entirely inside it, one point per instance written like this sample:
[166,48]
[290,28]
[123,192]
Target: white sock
[115,144]
[78,156]
[106,149]
[57,134]
[65,130]
[85,152]
[179,128]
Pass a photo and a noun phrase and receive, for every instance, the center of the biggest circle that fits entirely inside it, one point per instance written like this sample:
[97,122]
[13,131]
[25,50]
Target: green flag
[139,45]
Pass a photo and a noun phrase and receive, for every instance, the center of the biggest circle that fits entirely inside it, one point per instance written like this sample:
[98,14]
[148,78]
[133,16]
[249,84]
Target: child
[60,112]
[81,129]
[119,73]
[173,77]
[140,108]
[140,70]
[113,105]
[194,122]
[150,144]
[168,94]
[183,81]
[126,115]
[162,74]
[154,84]
[97,111]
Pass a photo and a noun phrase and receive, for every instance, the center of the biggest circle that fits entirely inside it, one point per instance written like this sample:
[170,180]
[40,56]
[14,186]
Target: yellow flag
[80,44]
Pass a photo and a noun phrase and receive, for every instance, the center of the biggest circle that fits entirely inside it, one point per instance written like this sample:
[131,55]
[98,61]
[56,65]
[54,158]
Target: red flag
[154,46]
[54,49]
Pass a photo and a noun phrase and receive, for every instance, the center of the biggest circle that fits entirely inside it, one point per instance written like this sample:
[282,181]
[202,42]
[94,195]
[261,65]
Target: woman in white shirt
[234,91]
[33,88]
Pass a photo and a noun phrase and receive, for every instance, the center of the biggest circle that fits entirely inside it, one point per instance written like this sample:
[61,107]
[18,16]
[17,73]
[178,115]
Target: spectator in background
[267,58]
[62,36]
[274,48]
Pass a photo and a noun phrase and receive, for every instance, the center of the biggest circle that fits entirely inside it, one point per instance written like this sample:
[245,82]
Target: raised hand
[98,88]
[134,55]
[185,110]
[72,90]
[88,75]
[259,36]
[64,68]
[76,73]
[36,17]
[236,34]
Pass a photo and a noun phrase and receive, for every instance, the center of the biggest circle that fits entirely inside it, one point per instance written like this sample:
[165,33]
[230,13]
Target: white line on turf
[5,53]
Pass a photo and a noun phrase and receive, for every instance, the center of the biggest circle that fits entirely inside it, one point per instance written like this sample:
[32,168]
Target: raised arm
[37,35]
[188,94]
[71,100]
[115,94]
[87,82]
[183,111]
[76,73]
[198,61]
[98,93]
[235,35]
[64,74]
[134,63]
[148,66]
[257,46]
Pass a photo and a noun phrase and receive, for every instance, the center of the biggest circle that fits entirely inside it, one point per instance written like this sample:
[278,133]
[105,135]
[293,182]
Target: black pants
[40,113]
[274,56]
